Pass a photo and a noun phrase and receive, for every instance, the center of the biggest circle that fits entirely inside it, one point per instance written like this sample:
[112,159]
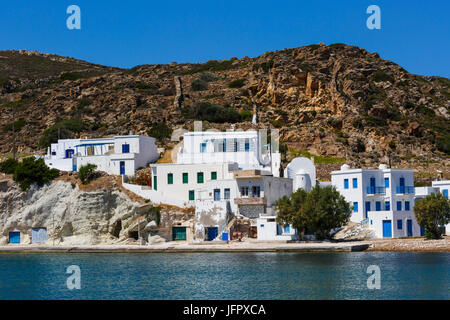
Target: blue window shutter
[355,206]
[345,183]
[355,183]
[445,193]
[399,206]
[386,182]
[125,148]
[406,205]
[378,206]
[399,224]
[387,205]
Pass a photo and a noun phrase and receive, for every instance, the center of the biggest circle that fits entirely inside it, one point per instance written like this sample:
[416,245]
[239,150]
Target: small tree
[32,170]
[8,166]
[327,209]
[86,173]
[321,210]
[431,212]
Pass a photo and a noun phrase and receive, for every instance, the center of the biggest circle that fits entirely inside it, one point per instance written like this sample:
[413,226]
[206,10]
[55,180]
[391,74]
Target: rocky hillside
[336,102]
[75,214]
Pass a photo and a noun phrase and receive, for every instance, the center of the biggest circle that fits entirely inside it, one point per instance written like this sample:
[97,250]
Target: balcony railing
[376,190]
[404,190]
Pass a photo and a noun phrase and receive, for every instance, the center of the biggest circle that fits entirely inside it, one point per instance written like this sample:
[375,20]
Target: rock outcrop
[73,216]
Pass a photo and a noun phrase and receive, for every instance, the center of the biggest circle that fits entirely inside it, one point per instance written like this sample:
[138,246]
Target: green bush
[235,84]
[86,173]
[383,76]
[212,65]
[66,130]
[199,85]
[246,115]
[32,170]
[208,77]
[8,166]
[211,112]
[159,131]
[18,125]
[425,110]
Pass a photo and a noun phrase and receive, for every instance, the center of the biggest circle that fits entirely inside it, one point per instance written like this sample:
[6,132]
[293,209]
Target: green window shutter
[170,178]
[155,183]
[185,177]
[199,177]
[191,195]
[214,175]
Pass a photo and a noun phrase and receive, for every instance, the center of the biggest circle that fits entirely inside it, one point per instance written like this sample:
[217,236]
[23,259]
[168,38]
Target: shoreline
[193,248]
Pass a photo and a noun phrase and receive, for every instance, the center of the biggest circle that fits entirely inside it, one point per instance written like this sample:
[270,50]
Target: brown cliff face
[335,101]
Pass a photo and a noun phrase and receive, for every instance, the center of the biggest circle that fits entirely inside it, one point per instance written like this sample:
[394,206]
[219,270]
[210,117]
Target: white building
[247,148]
[180,181]
[302,172]
[117,155]
[442,186]
[247,193]
[383,198]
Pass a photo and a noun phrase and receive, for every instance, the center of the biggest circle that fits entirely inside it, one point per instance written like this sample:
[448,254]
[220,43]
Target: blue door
[216,194]
[367,208]
[409,227]
[387,228]
[14,237]
[39,235]
[402,185]
[69,153]
[125,148]
[422,231]
[213,232]
[122,167]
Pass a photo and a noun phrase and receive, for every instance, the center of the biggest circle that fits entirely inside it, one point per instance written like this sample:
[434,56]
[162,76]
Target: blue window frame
[386,182]
[125,148]
[203,147]
[226,193]
[399,206]
[387,205]
[345,183]
[407,207]
[355,183]
[355,206]
[445,193]
[247,145]
[399,224]
[378,205]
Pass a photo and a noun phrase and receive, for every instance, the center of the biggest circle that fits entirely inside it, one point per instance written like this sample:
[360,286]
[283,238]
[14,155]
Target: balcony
[251,201]
[375,190]
[404,190]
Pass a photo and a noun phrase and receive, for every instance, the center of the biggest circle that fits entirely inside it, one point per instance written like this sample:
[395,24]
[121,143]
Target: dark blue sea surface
[226,275]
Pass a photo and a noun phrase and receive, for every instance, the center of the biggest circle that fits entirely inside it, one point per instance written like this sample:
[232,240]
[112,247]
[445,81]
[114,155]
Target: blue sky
[414,34]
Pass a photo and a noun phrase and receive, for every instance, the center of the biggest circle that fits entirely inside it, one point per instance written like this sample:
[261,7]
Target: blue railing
[404,190]
[376,190]
[364,221]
